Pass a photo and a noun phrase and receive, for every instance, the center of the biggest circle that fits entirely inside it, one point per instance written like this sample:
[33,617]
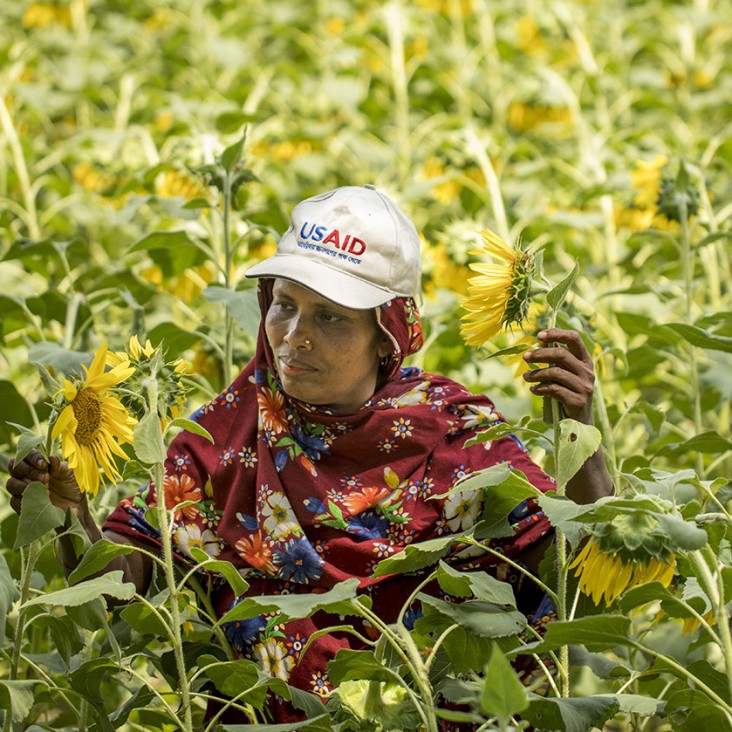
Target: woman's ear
[384,347]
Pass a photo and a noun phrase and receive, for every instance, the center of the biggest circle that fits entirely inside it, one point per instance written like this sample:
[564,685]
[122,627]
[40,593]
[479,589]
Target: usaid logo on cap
[314,233]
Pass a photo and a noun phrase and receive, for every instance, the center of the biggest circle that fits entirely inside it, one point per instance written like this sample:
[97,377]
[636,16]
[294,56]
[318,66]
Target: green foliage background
[530,118]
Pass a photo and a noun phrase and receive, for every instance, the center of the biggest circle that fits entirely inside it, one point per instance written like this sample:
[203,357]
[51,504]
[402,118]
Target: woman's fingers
[570,376]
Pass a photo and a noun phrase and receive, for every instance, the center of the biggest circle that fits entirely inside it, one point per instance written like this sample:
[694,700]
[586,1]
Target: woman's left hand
[570,376]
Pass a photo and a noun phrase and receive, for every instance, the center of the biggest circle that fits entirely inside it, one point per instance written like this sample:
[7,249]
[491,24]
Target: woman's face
[325,354]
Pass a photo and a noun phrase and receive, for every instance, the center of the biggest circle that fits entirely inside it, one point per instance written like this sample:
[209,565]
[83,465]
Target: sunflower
[94,423]
[499,295]
[609,574]
[148,362]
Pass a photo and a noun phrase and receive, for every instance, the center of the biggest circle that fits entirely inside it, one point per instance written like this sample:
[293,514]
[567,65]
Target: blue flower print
[298,561]
[260,377]
[280,459]
[369,525]
[314,505]
[311,445]
[412,615]
[247,521]
[242,634]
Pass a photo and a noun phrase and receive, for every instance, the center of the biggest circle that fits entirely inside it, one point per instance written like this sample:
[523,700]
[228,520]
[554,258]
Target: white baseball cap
[352,245]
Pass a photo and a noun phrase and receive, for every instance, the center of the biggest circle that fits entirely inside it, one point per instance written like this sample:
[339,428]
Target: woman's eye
[330,317]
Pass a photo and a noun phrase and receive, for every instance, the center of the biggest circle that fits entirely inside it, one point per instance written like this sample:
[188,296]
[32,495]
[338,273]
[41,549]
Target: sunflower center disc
[88,412]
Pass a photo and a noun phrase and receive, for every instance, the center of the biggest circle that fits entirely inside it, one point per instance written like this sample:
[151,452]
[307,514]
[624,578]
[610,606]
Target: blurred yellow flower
[94,423]
[92,178]
[186,286]
[646,180]
[607,575]
[446,191]
[40,15]
[335,25]
[175,184]
[282,151]
[525,116]
[499,295]
[528,36]
[440,271]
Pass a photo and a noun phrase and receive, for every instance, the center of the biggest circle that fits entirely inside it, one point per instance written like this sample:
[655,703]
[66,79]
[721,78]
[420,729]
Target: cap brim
[331,283]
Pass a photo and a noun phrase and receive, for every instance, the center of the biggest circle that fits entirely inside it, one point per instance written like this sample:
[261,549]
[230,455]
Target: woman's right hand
[63,490]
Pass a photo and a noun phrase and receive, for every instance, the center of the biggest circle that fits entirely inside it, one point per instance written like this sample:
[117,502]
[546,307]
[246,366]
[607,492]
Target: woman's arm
[569,378]
[64,493]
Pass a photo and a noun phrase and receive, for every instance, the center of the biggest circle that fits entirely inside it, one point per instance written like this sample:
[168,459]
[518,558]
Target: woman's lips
[290,367]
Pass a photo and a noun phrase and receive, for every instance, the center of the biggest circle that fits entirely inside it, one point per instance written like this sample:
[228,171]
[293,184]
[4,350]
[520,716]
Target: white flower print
[461,509]
[247,456]
[477,416]
[272,657]
[191,536]
[401,428]
[279,518]
[387,445]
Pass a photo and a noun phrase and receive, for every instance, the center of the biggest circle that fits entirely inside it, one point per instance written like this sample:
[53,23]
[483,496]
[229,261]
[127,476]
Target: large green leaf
[242,305]
[480,585]
[570,715]
[339,600]
[503,695]
[416,556]
[97,557]
[556,296]
[595,633]
[8,594]
[88,678]
[145,620]
[226,569]
[148,437]
[701,338]
[38,515]
[17,697]
[577,442]
[350,665]
[13,404]
[110,584]
[482,618]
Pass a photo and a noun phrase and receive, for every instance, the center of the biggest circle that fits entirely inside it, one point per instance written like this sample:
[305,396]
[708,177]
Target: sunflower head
[500,294]
[92,422]
[149,363]
[605,575]
[632,548]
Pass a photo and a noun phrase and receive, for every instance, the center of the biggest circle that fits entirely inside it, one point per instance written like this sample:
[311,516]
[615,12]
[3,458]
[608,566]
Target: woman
[326,450]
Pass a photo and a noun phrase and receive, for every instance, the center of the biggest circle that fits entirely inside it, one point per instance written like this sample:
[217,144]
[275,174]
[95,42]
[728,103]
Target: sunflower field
[151,152]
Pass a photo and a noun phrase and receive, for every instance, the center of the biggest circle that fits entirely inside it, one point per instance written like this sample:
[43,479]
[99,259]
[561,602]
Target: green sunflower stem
[28,557]
[714,587]
[561,563]
[176,620]
[688,264]
[228,259]
[158,476]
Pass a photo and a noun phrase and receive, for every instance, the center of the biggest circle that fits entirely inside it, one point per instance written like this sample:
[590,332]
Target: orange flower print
[308,464]
[257,552]
[178,489]
[271,410]
[365,498]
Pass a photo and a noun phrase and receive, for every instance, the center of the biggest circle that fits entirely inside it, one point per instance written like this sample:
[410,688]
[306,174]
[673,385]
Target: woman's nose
[298,334]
